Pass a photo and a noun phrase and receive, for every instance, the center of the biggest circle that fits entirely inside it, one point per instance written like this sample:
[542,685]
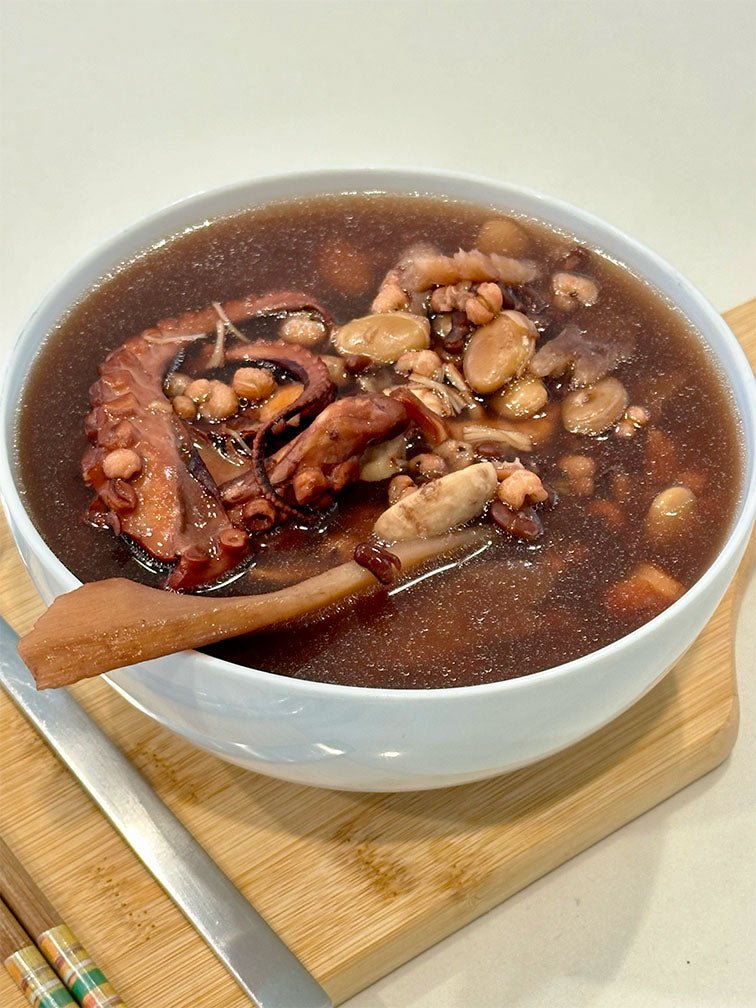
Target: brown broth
[512,610]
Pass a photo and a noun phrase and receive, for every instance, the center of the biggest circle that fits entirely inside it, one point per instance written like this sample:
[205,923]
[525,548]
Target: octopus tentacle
[323,459]
[170,506]
[163,507]
[318,392]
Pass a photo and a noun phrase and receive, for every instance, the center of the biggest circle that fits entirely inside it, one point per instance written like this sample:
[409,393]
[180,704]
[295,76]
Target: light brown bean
[571,289]
[594,409]
[198,390]
[427,466]
[221,403]
[503,235]
[383,337]
[253,383]
[184,407]
[671,514]
[302,329]
[439,505]
[336,370]
[498,352]
[521,399]
[422,362]
[123,463]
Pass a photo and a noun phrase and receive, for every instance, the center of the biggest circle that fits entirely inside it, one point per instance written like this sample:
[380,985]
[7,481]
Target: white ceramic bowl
[383,739]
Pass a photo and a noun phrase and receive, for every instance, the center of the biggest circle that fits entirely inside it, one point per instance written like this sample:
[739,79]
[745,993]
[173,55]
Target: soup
[331,375]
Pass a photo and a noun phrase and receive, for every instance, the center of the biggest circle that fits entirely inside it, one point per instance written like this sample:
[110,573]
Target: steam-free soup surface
[513,605]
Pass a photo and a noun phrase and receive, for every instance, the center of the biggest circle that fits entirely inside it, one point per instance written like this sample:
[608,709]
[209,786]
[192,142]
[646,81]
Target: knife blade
[263,965]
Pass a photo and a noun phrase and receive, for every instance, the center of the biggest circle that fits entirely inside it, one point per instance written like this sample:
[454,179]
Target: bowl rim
[405,179]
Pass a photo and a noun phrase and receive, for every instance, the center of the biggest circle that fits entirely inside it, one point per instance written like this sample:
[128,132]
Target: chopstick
[29,971]
[36,916]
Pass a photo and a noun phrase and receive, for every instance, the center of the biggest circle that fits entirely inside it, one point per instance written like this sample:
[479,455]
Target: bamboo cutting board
[356,884]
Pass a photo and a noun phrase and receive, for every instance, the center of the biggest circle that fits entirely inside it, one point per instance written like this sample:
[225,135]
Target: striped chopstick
[37,918]
[29,971]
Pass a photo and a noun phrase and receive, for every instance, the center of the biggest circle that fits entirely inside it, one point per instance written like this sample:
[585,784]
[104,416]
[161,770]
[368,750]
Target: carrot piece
[660,456]
[648,590]
[606,510]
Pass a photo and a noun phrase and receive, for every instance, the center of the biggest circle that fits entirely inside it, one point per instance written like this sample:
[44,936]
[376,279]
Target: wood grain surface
[355,883]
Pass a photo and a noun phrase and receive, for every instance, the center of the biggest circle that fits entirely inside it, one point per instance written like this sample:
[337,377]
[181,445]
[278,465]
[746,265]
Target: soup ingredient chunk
[321,461]
[499,351]
[505,236]
[385,337]
[445,374]
[648,589]
[522,399]
[671,514]
[121,463]
[253,383]
[303,329]
[519,485]
[571,289]
[593,409]
[440,505]
[586,358]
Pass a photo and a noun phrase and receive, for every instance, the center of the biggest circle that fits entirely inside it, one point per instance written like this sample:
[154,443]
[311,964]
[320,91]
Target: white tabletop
[644,113]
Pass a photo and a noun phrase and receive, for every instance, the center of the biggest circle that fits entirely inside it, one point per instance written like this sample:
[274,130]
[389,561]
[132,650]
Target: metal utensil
[257,958]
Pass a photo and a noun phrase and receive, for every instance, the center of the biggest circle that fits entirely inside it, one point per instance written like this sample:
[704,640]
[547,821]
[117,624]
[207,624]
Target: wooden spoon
[107,624]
